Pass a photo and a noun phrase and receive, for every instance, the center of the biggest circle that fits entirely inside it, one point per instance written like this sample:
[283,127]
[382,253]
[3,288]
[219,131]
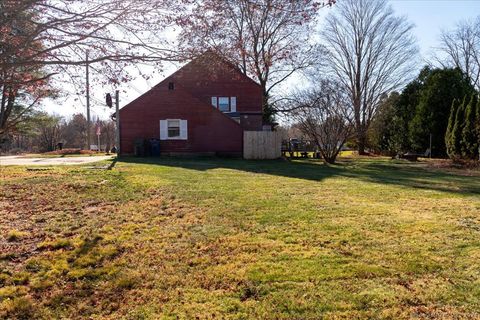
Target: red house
[203,108]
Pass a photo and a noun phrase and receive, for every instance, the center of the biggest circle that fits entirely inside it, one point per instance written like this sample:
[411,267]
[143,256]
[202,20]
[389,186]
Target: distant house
[203,108]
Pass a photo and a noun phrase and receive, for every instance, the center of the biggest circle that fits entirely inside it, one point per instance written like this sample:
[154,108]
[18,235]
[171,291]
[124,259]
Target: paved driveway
[23,161]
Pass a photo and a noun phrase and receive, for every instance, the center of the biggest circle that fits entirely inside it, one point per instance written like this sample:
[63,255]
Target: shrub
[70,152]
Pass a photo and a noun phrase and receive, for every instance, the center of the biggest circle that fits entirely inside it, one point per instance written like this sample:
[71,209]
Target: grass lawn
[232,239]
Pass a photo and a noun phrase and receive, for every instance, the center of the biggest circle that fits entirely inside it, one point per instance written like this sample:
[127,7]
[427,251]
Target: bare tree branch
[462,48]
[371,52]
[269,40]
[323,114]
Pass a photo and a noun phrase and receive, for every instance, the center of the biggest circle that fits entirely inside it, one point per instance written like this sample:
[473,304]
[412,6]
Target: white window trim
[233,104]
[183,129]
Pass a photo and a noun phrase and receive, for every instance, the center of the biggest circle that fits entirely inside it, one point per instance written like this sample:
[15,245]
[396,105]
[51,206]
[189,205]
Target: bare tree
[75,132]
[323,115]
[108,133]
[40,39]
[371,53]
[61,36]
[48,131]
[462,48]
[21,87]
[267,39]
[112,30]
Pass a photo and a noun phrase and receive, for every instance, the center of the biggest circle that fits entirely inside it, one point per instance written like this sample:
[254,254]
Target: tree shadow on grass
[372,170]
[416,176]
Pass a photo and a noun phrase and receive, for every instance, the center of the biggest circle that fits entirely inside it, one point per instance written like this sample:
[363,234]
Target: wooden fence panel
[262,145]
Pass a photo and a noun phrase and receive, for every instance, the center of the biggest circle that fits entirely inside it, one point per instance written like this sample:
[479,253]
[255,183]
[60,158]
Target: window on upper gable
[223,104]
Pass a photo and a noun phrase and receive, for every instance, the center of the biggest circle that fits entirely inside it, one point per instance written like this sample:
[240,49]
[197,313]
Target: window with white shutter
[173,129]
[183,129]
[163,130]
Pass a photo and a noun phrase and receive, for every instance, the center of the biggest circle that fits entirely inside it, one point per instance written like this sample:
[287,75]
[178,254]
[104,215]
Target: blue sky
[428,16]
[431,16]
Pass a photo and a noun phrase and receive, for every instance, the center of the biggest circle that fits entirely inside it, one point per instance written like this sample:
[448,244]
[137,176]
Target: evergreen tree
[477,122]
[432,112]
[381,129]
[404,110]
[477,127]
[456,136]
[451,122]
[469,142]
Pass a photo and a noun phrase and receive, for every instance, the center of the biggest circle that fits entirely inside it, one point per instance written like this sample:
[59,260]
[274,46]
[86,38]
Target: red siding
[209,131]
[251,122]
[207,77]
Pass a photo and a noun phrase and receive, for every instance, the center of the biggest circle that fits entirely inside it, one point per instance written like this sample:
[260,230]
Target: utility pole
[98,131]
[88,102]
[117,120]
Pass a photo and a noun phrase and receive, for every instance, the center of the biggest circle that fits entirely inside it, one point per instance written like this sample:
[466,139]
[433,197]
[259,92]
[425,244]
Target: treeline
[43,132]
[463,131]
[438,109]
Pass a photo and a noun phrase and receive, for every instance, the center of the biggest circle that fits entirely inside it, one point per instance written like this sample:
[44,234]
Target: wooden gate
[262,145]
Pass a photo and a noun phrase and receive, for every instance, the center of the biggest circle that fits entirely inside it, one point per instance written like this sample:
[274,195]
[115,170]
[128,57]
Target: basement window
[173,128]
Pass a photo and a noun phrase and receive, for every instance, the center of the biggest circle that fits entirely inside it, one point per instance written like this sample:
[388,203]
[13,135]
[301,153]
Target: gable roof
[212,60]
[206,56]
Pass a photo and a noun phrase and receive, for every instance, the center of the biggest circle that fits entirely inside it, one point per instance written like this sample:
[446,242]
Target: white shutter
[214,101]
[163,130]
[183,130]
[233,104]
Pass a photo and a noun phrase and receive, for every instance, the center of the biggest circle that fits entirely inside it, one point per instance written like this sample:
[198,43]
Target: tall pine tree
[469,142]
[439,89]
[456,136]
[451,122]
[477,126]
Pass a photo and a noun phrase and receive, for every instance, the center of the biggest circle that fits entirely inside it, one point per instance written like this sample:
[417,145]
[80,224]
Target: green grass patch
[15,235]
[168,238]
